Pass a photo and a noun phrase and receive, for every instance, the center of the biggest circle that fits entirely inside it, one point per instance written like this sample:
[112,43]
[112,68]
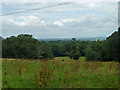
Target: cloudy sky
[77,19]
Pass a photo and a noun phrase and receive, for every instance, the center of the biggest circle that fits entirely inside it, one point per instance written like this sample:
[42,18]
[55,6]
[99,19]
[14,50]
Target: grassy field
[60,72]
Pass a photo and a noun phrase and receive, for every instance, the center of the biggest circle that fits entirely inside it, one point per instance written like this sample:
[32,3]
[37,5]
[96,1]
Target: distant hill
[79,38]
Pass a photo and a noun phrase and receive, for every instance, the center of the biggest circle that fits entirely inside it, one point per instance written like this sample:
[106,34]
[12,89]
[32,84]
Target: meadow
[61,72]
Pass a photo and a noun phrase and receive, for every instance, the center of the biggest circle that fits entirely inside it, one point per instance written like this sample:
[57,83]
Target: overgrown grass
[59,73]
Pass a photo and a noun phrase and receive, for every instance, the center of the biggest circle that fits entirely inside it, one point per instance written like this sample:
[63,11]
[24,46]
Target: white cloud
[92,5]
[78,19]
[24,20]
[43,23]
[68,20]
[29,20]
[58,23]
[20,23]
[60,1]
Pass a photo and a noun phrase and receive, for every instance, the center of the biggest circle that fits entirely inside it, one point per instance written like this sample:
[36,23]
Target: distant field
[56,58]
[59,73]
[68,59]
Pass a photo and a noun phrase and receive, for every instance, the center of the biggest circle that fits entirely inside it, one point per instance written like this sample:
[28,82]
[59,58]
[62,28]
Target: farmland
[61,72]
[60,44]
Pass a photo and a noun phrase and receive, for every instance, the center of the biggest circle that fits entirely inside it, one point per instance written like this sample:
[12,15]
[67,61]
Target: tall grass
[59,74]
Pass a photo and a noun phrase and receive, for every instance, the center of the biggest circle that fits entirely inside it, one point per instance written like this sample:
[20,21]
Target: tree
[0,47]
[90,54]
[107,50]
[94,51]
[39,51]
[118,44]
[43,51]
[55,49]
[112,47]
[47,54]
[25,46]
[74,51]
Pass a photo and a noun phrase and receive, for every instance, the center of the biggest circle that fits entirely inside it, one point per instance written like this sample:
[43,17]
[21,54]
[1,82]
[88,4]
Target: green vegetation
[74,50]
[26,47]
[81,59]
[52,64]
[59,74]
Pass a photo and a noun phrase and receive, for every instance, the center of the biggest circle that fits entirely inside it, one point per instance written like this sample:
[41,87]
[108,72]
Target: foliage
[112,47]
[74,50]
[25,46]
[107,50]
[58,74]
[93,51]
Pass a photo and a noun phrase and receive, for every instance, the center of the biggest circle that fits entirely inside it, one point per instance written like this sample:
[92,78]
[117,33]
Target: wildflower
[41,85]
[47,83]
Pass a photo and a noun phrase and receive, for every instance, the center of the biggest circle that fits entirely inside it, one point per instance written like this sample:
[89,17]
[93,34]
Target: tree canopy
[26,46]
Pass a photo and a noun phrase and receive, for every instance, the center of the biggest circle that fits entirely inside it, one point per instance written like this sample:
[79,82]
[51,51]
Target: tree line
[26,46]
[107,50]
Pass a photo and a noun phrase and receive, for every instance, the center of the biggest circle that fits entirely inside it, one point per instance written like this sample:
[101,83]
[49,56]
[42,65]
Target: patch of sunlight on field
[82,59]
[8,59]
[66,58]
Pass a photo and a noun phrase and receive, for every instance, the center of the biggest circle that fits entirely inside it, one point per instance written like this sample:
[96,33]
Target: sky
[76,19]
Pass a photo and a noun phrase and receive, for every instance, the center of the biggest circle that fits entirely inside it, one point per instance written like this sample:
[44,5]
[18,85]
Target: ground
[61,72]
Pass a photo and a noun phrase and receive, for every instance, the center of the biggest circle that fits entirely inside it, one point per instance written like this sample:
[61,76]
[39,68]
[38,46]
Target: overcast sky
[78,19]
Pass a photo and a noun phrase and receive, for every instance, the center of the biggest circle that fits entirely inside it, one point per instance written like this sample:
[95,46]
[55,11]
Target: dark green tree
[74,50]
[118,44]
[112,47]
[25,46]
[94,51]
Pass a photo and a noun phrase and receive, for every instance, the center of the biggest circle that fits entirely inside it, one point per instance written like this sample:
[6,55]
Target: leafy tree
[55,49]
[25,46]
[47,54]
[0,47]
[74,51]
[118,44]
[107,50]
[93,51]
[111,46]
